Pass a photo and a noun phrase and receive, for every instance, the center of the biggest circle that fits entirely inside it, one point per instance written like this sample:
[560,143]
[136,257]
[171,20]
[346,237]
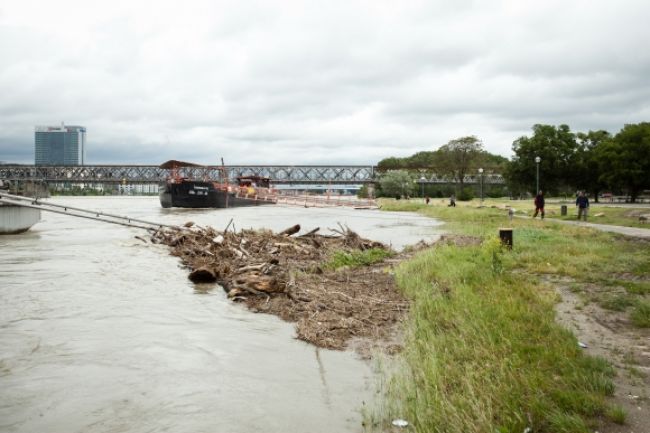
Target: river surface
[102,333]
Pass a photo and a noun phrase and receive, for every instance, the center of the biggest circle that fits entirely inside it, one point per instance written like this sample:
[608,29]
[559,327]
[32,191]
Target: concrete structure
[60,145]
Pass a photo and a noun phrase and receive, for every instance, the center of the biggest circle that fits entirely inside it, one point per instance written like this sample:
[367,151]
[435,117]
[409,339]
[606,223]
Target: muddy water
[101,333]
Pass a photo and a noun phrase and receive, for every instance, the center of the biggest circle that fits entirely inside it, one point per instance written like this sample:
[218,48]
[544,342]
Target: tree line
[593,161]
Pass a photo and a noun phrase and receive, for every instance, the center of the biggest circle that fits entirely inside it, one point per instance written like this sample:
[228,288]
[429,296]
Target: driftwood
[285,275]
[203,275]
[291,230]
[310,233]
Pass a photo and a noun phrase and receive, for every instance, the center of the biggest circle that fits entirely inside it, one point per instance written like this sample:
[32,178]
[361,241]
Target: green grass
[483,352]
[636,287]
[641,314]
[616,414]
[357,258]
[627,216]
[617,302]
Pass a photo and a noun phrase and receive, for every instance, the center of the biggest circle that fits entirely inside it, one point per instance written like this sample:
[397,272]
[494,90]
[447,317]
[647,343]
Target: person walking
[539,204]
[583,204]
[452,201]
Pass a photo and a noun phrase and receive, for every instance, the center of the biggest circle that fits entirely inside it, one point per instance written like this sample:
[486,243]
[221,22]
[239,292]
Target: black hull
[190,194]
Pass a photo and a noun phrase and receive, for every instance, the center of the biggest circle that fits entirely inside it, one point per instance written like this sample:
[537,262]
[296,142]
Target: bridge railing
[279,174]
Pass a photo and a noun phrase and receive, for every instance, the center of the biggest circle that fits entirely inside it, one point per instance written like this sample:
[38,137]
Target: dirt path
[627,231]
[609,335]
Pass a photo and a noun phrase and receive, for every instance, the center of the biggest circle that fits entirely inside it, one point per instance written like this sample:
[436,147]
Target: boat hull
[195,194]
[17,219]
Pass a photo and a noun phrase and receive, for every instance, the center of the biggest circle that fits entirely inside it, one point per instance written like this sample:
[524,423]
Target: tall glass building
[60,145]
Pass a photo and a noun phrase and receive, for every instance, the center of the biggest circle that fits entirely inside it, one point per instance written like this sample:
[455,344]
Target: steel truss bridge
[279,174]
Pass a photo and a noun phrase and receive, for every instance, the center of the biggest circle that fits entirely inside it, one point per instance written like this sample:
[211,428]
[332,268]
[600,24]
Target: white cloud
[315,82]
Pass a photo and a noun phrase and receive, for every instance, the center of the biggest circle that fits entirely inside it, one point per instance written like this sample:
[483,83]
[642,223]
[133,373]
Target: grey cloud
[294,82]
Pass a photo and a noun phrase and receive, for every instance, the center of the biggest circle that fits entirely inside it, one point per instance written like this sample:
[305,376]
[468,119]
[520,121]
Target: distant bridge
[279,174]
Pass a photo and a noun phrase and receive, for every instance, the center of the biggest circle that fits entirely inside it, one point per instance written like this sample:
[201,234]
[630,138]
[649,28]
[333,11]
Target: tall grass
[483,352]
[355,259]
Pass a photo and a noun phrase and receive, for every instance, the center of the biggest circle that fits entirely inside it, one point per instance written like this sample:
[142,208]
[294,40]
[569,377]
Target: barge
[181,190]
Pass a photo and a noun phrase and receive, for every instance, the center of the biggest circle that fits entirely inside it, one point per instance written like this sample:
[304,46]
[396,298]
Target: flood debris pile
[287,275]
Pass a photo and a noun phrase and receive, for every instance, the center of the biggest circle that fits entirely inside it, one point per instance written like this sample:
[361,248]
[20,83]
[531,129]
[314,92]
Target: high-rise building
[60,145]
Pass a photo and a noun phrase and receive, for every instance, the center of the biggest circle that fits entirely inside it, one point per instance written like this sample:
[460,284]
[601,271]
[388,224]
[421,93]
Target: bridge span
[279,174]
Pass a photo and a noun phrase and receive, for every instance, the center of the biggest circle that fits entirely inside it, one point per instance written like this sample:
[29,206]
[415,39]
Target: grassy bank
[626,215]
[483,352]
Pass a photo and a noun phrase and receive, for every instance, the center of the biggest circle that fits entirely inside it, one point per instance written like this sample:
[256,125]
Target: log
[203,275]
[260,283]
[310,233]
[291,230]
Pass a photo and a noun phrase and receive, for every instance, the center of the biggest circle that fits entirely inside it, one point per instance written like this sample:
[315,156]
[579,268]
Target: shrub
[466,194]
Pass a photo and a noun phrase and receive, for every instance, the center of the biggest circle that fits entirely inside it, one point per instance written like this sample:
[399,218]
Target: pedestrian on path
[583,204]
[539,204]
[452,201]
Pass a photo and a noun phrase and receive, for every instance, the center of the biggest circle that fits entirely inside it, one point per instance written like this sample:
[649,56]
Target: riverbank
[484,350]
[621,214]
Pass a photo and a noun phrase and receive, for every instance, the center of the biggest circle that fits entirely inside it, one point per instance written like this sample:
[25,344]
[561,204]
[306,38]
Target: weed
[636,287]
[617,302]
[357,258]
[641,314]
[616,414]
[564,423]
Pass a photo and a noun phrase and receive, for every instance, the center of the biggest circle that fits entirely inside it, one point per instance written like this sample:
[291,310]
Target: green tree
[391,163]
[625,160]
[396,183]
[458,157]
[586,164]
[555,146]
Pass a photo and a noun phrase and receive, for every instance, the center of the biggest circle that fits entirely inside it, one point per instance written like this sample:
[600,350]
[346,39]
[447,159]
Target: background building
[60,145]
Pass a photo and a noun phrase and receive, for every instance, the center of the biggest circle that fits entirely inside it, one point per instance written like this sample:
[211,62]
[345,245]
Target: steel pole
[537,189]
[481,189]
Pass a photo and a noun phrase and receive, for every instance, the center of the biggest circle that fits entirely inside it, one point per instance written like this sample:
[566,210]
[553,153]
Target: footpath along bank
[484,347]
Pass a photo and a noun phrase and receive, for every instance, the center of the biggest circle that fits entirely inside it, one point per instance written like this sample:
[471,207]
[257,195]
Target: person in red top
[539,204]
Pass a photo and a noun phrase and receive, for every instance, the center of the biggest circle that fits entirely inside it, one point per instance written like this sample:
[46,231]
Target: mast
[225,174]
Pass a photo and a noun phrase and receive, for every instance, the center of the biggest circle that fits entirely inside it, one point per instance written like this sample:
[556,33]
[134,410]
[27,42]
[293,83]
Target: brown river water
[102,333]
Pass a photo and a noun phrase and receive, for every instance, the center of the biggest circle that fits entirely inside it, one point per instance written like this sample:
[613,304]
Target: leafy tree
[555,146]
[625,160]
[391,163]
[363,191]
[458,156]
[426,159]
[396,183]
[586,164]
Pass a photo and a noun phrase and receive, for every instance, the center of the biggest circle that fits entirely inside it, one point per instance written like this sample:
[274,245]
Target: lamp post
[422,180]
[537,161]
[480,171]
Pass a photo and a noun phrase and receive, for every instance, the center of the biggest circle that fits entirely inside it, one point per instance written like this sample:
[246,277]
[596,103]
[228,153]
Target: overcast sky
[315,82]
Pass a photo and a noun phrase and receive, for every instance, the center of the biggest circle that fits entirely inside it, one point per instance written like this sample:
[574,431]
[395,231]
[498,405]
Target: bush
[466,194]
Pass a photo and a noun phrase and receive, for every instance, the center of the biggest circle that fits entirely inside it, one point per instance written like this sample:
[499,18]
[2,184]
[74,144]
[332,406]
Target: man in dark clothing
[583,204]
[539,204]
